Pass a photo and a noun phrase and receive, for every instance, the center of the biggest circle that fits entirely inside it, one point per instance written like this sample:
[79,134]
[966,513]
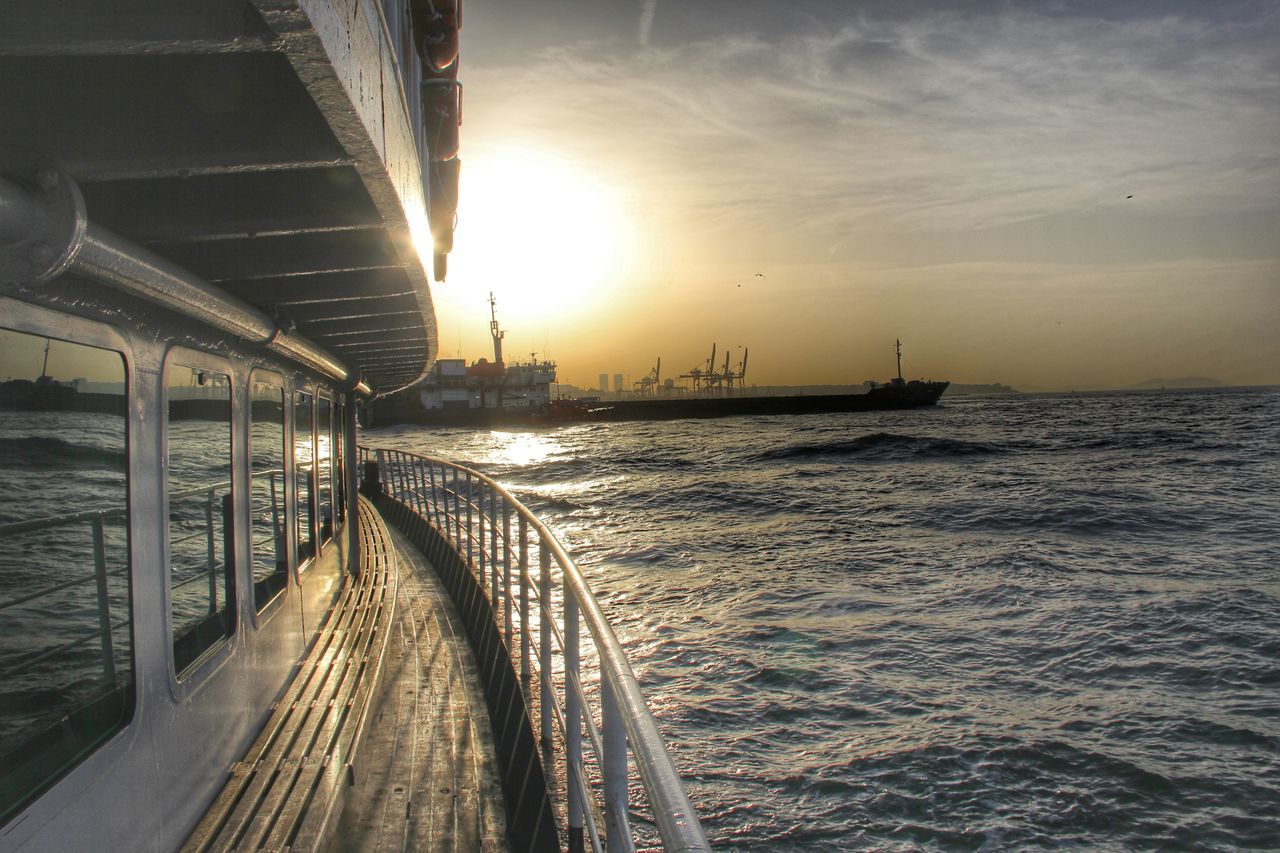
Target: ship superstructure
[455,390]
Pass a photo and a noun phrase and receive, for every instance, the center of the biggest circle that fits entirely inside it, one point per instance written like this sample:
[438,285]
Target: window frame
[302,563]
[212,658]
[322,540]
[25,318]
[273,604]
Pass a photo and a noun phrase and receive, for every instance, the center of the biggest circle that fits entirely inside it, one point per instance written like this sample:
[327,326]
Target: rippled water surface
[1001,622]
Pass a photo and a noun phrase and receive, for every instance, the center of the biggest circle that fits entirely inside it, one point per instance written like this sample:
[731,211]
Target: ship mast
[497,333]
[44,368]
[898,345]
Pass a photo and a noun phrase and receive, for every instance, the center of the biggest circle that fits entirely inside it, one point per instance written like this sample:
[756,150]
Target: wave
[45,452]
[883,445]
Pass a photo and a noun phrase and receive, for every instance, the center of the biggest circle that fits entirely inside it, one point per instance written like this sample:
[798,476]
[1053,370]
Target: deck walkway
[382,742]
[430,780]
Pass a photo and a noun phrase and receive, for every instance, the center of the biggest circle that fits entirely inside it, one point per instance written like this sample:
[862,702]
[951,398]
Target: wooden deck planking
[271,794]
[429,781]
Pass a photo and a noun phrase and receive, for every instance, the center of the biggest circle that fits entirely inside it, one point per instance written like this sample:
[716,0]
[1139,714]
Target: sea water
[1001,622]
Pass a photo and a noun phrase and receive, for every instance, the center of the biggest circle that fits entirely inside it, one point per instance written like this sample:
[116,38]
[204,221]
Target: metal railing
[194,554]
[97,521]
[543,602]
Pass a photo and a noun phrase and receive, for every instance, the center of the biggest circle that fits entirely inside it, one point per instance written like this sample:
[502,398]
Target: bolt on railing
[475,515]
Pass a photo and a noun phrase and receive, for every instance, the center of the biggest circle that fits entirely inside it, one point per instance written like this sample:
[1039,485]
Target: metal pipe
[111,259]
[493,544]
[471,539]
[526,675]
[480,530]
[16,212]
[572,723]
[544,657]
[615,768]
[506,571]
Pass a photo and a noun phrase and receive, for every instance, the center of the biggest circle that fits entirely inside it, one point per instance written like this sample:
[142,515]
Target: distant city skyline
[1054,194]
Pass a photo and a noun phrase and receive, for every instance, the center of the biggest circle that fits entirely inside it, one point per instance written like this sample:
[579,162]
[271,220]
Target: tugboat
[897,393]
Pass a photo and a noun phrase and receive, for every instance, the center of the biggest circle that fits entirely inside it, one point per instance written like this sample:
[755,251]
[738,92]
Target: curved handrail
[625,716]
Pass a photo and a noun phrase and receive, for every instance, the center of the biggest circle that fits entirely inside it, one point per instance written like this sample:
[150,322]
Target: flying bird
[1128,196]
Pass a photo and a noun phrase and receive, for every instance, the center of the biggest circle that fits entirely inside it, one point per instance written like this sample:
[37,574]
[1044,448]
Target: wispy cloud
[940,123]
[648,8]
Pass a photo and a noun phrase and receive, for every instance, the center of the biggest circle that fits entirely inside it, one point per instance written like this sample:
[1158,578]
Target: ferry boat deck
[221,620]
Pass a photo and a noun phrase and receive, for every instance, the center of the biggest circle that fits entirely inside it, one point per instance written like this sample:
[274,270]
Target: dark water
[999,623]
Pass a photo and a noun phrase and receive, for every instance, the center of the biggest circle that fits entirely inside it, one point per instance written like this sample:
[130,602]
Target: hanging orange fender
[442,201]
[441,115]
[435,32]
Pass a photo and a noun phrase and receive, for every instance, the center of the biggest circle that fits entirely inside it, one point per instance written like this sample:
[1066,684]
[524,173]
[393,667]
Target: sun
[543,233]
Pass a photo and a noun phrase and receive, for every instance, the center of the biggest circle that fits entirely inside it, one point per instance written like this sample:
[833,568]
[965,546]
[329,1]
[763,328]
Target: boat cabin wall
[176,524]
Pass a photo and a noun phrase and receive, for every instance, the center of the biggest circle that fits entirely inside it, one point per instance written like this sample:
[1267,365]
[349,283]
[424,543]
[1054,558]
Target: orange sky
[1042,197]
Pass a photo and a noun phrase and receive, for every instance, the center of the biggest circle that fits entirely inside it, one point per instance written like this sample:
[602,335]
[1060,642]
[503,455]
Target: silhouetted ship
[897,393]
[485,394]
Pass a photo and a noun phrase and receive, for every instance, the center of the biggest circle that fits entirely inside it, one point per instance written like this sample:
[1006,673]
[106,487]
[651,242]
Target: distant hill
[1180,382]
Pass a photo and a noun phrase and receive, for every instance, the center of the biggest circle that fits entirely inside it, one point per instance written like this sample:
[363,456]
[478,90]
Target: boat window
[266,498]
[201,566]
[66,650]
[339,469]
[304,466]
[324,466]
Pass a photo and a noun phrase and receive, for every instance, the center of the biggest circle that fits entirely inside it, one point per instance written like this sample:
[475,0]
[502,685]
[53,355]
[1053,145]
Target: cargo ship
[493,393]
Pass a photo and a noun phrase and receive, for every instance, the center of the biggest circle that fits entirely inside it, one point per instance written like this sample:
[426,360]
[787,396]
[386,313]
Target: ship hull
[883,398]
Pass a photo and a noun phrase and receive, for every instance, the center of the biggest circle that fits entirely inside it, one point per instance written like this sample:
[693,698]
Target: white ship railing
[543,601]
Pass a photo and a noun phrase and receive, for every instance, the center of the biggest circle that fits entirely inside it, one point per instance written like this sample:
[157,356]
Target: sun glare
[543,234]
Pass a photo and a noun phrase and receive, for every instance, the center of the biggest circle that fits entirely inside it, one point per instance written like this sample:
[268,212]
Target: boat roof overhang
[263,149]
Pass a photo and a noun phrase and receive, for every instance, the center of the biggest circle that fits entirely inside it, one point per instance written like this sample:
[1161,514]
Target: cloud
[648,8]
[937,123]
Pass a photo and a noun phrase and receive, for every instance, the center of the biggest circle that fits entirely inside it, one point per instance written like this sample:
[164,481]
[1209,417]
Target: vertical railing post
[435,500]
[211,552]
[414,492]
[572,722]
[383,474]
[493,543]
[445,515]
[615,765]
[419,465]
[525,639]
[457,512]
[471,551]
[387,476]
[544,646]
[411,498]
[481,490]
[506,570]
[277,528]
[104,604]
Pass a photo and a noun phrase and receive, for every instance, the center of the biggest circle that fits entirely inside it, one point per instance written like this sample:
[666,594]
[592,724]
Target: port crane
[697,373]
[706,377]
[649,383]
